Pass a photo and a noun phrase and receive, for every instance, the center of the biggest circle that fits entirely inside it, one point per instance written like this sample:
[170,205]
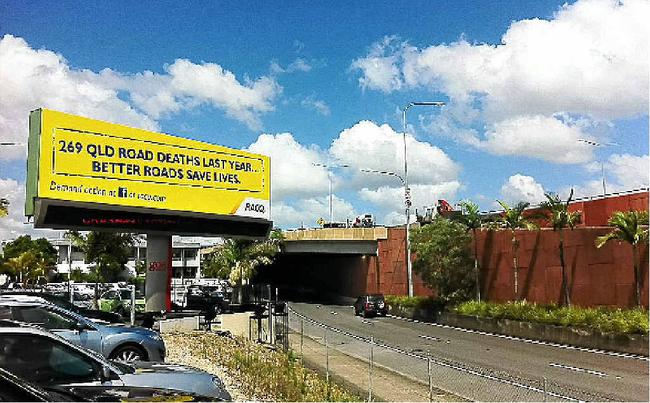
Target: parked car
[113,341]
[207,298]
[15,389]
[119,301]
[48,360]
[64,302]
[370,305]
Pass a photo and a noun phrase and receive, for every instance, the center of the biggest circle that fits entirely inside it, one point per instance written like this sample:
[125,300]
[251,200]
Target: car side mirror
[79,327]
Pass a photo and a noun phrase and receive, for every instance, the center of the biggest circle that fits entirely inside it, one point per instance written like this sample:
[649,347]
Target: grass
[614,320]
[264,374]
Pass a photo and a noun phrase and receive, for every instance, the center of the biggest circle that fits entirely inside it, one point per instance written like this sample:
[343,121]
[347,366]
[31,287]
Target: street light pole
[409,265]
[602,162]
[329,176]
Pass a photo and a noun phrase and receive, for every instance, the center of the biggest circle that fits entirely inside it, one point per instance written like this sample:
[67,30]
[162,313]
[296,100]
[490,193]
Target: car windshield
[376,298]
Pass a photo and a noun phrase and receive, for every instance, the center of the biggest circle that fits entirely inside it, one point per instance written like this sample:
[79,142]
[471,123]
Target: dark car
[45,359]
[15,389]
[207,299]
[370,305]
[65,303]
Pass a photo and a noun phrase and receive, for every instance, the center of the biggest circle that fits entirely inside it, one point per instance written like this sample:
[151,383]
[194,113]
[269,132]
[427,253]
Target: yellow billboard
[77,159]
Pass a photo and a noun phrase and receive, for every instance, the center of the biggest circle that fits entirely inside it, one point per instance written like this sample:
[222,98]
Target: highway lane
[467,362]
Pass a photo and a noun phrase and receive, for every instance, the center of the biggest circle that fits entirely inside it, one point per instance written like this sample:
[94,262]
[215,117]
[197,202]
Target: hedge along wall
[596,276]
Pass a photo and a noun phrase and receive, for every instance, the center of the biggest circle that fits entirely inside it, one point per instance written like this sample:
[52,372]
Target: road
[474,365]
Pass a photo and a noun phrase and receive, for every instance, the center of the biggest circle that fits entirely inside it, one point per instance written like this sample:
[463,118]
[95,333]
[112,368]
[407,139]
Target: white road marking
[530,341]
[578,369]
[431,338]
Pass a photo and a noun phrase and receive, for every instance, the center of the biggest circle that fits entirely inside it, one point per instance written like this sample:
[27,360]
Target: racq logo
[258,208]
[157,266]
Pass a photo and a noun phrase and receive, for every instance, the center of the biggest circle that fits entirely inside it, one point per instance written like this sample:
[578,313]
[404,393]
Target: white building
[186,261]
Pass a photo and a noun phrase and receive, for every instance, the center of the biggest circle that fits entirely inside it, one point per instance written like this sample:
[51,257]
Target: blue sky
[316,82]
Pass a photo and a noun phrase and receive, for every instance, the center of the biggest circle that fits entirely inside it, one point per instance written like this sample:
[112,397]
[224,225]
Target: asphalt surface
[473,365]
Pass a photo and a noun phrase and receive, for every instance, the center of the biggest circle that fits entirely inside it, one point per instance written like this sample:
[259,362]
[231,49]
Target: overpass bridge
[342,261]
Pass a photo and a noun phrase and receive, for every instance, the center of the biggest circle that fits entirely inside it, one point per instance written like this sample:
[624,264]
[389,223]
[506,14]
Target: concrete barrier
[236,323]
[187,324]
[624,343]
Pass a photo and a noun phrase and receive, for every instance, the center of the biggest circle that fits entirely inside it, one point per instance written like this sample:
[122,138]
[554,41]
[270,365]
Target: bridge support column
[159,273]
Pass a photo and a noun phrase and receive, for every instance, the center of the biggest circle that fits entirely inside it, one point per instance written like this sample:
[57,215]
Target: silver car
[112,341]
[48,360]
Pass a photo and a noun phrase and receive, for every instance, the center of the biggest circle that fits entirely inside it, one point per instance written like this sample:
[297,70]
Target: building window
[177,255]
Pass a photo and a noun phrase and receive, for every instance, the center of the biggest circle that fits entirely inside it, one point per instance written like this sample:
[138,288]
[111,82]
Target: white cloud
[369,146]
[522,188]
[292,171]
[380,68]
[390,200]
[308,211]
[12,226]
[538,136]
[32,78]
[300,65]
[186,85]
[591,58]
[590,61]
[622,172]
[317,105]
[300,189]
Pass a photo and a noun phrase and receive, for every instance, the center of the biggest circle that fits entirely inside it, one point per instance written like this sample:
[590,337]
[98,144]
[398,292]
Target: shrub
[261,374]
[418,302]
[604,319]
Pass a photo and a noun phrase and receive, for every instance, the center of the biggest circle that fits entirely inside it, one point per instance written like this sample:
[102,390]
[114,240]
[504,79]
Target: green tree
[471,218]
[28,259]
[561,218]
[4,207]
[238,259]
[25,243]
[443,259]
[28,267]
[109,251]
[513,219]
[630,227]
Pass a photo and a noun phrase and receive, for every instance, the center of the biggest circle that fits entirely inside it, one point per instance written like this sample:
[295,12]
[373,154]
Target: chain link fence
[362,360]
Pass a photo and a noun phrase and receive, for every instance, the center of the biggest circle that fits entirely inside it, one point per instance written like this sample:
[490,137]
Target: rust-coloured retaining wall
[596,276]
[392,267]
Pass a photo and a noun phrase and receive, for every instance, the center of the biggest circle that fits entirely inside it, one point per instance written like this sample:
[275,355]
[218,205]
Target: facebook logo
[121,192]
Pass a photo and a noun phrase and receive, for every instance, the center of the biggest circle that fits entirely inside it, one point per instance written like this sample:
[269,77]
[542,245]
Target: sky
[308,83]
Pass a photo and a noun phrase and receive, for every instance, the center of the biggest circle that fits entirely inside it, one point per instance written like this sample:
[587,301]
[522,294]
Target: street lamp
[329,176]
[602,163]
[407,196]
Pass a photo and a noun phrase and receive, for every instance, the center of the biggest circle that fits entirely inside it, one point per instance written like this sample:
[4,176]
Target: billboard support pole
[159,273]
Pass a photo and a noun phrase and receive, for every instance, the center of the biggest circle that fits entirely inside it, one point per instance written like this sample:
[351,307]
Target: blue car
[118,342]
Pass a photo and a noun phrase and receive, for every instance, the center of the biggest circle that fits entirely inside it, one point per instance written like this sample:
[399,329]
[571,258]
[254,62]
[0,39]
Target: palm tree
[513,219]
[628,227]
[239,259]
[4,207]
[472,220]
[560,218]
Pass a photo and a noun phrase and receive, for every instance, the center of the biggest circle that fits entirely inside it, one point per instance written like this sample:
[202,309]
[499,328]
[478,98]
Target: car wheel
[129,353]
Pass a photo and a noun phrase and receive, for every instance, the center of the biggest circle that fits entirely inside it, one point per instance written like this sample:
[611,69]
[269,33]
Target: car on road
[119,301]
[113,341]
[64,302]
[370,305]
[43,358]
[207,298]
